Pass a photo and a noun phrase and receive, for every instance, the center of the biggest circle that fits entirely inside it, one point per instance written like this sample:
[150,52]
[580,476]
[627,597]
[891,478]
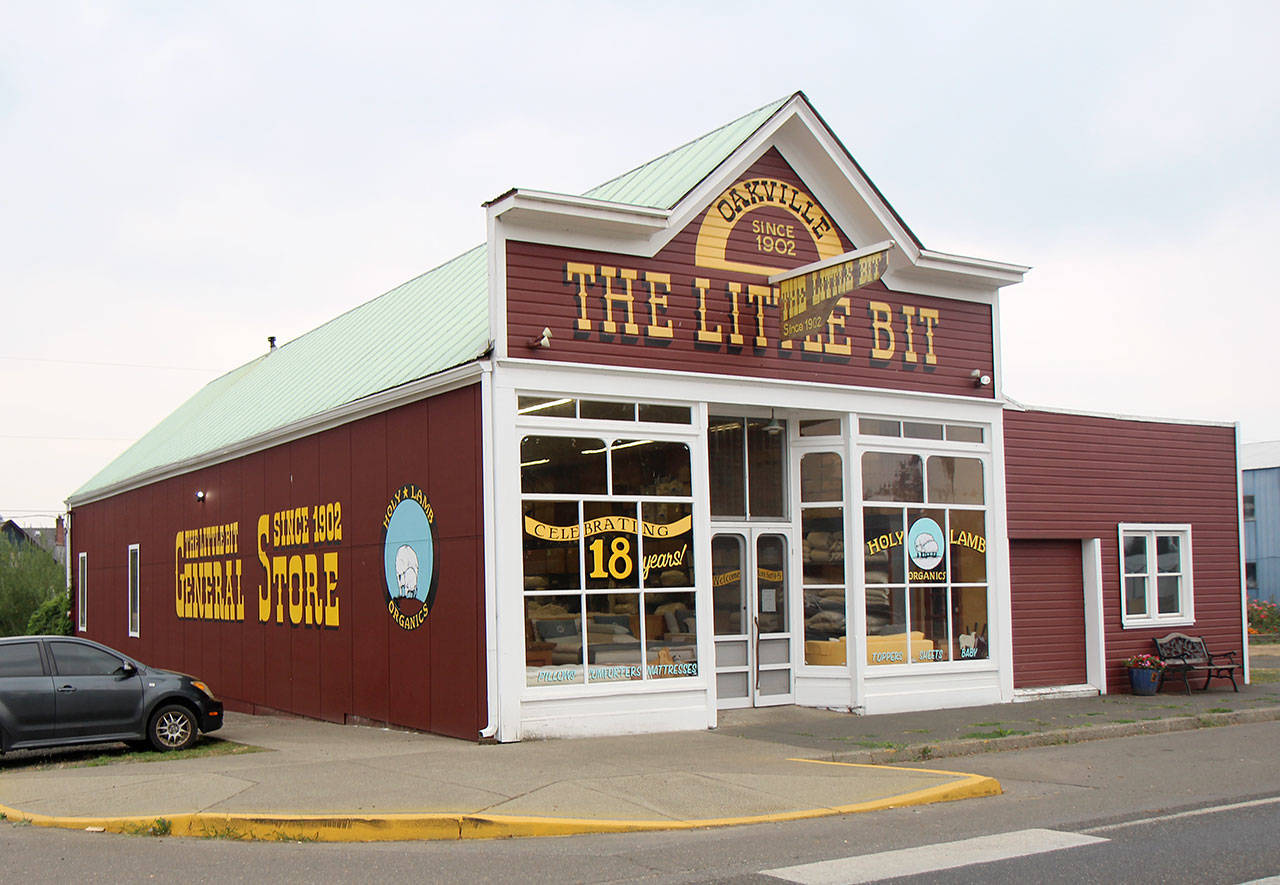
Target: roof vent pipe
[271,342]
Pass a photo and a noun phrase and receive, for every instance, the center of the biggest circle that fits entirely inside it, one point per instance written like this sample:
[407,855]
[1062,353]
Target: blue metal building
[1260,463]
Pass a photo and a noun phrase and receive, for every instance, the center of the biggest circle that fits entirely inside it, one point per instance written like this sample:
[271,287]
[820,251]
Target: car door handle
[66,689]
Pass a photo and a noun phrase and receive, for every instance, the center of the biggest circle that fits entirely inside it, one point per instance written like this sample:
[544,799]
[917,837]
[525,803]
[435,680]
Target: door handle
[66,689]
[756,647]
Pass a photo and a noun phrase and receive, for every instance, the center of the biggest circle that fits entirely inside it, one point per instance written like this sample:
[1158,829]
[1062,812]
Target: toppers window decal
[410,557]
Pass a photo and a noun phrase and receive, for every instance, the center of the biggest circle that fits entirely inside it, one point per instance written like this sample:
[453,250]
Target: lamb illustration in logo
[927,547]
[407,571]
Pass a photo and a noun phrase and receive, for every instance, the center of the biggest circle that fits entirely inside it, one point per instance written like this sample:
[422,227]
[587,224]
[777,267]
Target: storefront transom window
[607,528]
[747,467]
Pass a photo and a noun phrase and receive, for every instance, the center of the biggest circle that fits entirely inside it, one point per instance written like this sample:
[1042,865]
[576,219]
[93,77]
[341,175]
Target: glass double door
[752,623]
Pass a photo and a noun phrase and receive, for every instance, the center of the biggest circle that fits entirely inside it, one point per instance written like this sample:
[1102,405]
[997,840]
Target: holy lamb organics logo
[409,557]
[925,544]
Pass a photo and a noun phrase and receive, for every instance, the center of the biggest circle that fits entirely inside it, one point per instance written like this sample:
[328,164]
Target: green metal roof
[429,324]
[663,182]
[434,322]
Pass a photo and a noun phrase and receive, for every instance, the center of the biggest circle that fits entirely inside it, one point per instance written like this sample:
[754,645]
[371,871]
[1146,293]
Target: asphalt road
[1134,793]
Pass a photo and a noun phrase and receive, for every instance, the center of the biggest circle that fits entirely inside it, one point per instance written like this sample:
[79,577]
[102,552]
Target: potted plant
[1145,671]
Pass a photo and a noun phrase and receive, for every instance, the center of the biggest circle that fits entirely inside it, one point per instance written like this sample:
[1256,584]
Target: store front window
[822,555]
[924,558]
[607,528]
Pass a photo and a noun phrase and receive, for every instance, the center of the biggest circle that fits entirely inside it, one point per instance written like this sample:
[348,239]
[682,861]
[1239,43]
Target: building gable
[704,301]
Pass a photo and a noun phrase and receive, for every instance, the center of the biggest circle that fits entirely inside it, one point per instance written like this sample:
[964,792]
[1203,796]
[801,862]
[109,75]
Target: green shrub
[52,618]
[29,577]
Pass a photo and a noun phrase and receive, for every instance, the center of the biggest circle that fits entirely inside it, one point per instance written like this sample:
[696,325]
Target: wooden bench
[1184,655]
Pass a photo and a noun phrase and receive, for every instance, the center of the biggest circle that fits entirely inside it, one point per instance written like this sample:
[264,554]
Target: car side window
[20,659]
[73,659]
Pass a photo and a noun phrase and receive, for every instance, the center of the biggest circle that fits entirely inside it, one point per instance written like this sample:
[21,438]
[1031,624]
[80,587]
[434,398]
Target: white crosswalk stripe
[927,858]
[1195,812]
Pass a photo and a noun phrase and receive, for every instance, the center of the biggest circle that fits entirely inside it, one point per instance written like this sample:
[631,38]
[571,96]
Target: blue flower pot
[1145,682]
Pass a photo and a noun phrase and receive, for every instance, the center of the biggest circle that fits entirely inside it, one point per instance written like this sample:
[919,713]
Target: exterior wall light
[774,427]
[543,340]
[980,379]
[200,495]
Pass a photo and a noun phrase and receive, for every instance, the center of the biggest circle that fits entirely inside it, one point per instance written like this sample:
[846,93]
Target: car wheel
[173,728]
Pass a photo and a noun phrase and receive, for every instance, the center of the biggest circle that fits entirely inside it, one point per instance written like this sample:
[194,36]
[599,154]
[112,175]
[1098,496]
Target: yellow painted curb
[412,827]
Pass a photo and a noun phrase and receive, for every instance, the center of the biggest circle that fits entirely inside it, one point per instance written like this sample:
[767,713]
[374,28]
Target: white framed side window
[135,590]
[82,593]
[1155,575]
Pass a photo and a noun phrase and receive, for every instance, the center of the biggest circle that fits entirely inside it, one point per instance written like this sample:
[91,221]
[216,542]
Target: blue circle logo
[409,557]
[925,543]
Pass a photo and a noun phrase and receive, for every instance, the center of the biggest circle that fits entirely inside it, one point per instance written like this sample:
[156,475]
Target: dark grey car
[57,690]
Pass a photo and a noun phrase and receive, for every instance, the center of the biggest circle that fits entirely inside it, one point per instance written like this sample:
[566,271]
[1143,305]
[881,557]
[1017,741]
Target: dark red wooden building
[721,432]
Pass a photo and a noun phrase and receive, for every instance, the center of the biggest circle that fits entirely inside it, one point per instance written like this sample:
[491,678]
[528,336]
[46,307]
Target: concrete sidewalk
[319,781]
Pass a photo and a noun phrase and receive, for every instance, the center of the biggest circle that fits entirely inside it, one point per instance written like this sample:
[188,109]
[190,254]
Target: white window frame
[82,594]
[1186,614]
[609,432]
[135,590]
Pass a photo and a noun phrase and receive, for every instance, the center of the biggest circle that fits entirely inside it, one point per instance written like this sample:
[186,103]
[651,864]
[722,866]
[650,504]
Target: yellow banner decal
[627,525]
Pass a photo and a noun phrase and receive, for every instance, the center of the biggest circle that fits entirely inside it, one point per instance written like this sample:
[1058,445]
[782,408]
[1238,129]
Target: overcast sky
[181,180]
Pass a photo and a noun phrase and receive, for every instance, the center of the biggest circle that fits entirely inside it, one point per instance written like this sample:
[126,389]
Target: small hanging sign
[807,295]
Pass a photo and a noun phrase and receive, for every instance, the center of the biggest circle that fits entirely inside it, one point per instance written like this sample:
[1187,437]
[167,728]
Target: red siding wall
[540,293]
[368,667]
[1076,476]
[1048,613]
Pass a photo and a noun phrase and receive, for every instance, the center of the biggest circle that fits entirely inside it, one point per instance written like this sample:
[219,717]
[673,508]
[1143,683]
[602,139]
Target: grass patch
[987,724]
[917,731]
[281,836]
[1258,677]
[161,826]
[233,834]
[1124,721]
[997,733]
[1218,710]
[223,831]
[876,745]
[110,755]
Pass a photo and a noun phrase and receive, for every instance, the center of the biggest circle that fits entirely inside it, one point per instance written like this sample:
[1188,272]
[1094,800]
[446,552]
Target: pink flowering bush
[1264,617]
